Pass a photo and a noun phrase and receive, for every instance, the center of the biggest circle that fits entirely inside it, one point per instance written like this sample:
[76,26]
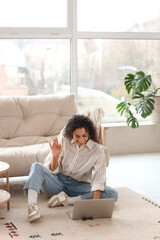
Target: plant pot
[155,116]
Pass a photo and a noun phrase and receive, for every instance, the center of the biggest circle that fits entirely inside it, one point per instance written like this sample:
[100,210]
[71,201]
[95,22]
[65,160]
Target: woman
[74,170]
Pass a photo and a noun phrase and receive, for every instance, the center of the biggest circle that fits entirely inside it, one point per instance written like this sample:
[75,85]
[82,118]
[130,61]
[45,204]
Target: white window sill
[123,124]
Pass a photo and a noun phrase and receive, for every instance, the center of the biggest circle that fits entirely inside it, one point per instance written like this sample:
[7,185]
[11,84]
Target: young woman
[75,169]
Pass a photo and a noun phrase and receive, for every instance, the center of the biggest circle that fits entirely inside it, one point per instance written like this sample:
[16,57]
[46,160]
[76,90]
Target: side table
[5,195]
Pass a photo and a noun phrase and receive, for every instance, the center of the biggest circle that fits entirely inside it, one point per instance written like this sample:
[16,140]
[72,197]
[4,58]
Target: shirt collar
[89,143]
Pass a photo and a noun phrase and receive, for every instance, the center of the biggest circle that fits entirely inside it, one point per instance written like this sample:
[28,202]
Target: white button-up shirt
[86,163]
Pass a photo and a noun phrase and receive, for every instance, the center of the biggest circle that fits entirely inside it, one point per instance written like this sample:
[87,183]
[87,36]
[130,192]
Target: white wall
[125,140]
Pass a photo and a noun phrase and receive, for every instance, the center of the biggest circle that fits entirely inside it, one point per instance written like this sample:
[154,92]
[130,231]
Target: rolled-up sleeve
[47,162]
[99,174]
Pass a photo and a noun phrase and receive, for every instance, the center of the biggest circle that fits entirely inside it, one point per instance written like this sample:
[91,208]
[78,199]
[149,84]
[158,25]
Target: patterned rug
[134,218]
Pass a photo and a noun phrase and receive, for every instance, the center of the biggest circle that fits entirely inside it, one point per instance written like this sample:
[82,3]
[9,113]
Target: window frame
[38,32]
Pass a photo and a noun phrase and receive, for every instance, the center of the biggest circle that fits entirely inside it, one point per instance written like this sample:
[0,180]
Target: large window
[83,46]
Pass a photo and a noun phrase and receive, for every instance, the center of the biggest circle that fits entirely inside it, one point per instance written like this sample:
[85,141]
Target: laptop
[92,208]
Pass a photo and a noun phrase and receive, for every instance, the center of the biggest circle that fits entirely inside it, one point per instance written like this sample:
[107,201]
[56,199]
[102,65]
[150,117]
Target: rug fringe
[151,201]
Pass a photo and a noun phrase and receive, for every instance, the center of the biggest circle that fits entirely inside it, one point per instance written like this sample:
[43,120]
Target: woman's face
[80,136]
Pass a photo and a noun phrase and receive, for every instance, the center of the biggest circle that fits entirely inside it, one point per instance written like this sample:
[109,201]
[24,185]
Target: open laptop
[92,208]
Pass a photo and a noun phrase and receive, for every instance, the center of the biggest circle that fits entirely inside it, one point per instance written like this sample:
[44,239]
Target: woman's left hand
[96,194]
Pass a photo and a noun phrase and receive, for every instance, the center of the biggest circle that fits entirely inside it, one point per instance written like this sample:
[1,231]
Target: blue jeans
[40,178]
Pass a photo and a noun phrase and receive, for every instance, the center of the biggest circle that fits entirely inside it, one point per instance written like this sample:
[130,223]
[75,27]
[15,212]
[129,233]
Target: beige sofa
[26,123]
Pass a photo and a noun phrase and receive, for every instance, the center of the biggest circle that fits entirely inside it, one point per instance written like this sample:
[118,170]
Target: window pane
[34,66]
[102,66]
[119,15]
[33,13]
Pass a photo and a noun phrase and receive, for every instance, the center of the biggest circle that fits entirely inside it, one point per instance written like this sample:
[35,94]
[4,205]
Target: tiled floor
[140,172]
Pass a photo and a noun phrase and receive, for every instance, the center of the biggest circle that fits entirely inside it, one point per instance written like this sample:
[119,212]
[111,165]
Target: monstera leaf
[129,82]
[132,122]
[142,82]
[124,108]
[145,105]
[138,82]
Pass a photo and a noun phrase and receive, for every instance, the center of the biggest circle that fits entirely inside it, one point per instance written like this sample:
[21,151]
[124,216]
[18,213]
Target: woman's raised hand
[56,148]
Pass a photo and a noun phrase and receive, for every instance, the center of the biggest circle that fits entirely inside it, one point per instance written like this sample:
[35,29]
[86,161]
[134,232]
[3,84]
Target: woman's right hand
[56,148]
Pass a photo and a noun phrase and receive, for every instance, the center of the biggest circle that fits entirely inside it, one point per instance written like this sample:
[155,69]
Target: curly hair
[80,121]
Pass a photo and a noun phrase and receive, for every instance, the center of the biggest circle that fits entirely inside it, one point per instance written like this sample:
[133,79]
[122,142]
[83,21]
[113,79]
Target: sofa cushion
[40,115]
[23,141]
[20,159]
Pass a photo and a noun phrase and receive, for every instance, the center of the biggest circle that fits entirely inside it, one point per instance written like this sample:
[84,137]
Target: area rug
[134,218]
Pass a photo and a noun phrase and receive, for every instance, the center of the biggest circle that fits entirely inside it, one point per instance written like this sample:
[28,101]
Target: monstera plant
[137,86]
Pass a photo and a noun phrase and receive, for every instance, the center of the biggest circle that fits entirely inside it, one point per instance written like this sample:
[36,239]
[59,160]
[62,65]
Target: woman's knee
[110,193]
[36,166]
[36,169]
[35,177]
[115,195]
